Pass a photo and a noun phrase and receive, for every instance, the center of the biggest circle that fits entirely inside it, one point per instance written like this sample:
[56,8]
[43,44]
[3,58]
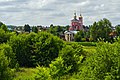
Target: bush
[5,71]
[47,48]
[87,43]
[42,74]
[4,36]
[7,50]
[58,68]
[33,49]
[103,64]
[22,46]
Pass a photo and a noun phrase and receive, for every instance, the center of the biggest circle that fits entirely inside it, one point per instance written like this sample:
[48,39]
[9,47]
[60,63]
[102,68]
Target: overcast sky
[57,12]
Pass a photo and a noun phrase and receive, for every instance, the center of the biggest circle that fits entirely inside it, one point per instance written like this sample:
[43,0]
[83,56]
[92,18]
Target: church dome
[80,16]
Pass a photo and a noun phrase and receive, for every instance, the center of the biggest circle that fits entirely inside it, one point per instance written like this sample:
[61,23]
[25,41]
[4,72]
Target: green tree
[32,49]
[35,29]
[47,48]
[1,24]
[117,29]
[22,46]
[56,30]
[103,64]
[5,71]
[4,27]
[68,62]
[7,50]
[5,36]
[67,27]
[27,28]
[101,29]
[78,37]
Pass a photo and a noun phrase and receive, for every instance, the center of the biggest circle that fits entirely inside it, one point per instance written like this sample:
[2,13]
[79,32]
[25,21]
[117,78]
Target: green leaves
[5,60]
[101,29]
[78,37]
[103,64]
[4,27]
[27,28]
[32,49]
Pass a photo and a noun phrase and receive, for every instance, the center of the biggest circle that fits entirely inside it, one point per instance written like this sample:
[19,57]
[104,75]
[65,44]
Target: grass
[25,74]
[89,49]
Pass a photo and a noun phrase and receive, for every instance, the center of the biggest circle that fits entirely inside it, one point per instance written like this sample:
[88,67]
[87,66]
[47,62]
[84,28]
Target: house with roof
[76,25]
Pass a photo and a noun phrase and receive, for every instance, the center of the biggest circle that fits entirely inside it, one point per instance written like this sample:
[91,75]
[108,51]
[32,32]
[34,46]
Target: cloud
[58,12]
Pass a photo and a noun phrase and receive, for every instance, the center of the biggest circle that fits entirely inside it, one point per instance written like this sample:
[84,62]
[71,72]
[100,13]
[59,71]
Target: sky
[57,12]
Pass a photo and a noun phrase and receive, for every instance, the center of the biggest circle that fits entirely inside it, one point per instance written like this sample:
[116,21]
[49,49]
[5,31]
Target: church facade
[76,24]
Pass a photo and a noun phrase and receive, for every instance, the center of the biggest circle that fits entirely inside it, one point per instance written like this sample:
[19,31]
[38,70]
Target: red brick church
[76,24]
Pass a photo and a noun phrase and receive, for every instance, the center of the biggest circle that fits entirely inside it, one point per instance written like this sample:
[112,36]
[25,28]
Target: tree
[35,29]
[4,27]
[1,24]
[103,64]
[78,37]
[68,62]
[101,29]
[67,27]
[117,29]
[7,50]
[56,30]
[27,28]
[5,36]
[33,49]
[47,48]
[22,46]
[5,71]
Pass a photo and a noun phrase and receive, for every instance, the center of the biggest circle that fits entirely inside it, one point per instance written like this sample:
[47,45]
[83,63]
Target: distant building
[76,24]
[69,35]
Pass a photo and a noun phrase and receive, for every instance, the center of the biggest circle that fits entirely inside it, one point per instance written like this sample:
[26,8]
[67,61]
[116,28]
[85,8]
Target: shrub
[87,43]
[32,49]
[5,71]
[43,73]
[58,68]
[47,48]
[4,36]
[7,50]
[103,64]
[68,62]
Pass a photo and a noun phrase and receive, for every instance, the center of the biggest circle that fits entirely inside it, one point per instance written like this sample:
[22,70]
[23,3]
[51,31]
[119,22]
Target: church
[76,25]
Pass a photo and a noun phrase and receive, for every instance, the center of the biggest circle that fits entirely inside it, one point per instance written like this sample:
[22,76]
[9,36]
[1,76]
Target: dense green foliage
[56,30]
[102,65]
[1,24]
[118,30]
[32,49]
[5,36]
[101,29]
[4,27]
[87,43]
[7,50]
[67,63]
[5,62]
[78,37]
[34,29]
[27,28]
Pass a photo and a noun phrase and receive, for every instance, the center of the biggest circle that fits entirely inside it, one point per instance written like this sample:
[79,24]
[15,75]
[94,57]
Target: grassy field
[25,74]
